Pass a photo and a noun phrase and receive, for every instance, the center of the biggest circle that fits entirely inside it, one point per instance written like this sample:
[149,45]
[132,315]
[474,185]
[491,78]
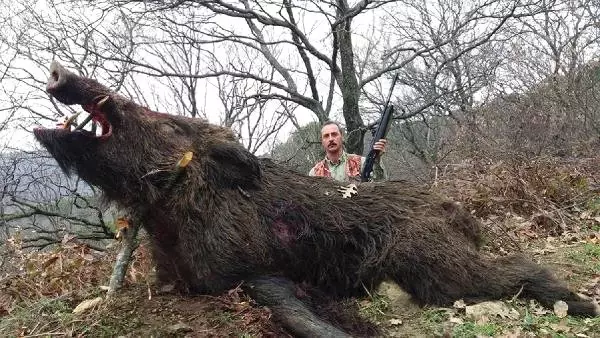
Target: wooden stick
[130,233]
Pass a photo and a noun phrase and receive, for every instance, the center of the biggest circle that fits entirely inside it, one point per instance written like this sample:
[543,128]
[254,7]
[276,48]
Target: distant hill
[35,176]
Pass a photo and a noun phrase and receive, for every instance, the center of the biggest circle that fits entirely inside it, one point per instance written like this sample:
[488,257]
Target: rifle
[382,129]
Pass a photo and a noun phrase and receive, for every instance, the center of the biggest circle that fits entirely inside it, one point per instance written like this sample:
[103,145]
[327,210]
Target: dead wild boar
[233,218]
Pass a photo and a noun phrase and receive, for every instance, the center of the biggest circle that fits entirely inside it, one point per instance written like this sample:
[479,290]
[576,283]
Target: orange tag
[122,225]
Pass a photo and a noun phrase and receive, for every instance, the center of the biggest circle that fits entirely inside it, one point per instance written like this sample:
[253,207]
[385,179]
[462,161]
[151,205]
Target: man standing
[337,163]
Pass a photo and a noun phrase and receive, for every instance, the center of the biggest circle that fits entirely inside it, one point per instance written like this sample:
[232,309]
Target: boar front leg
[279,295]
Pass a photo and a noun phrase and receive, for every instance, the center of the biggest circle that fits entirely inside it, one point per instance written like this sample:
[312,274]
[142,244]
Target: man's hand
[380,145]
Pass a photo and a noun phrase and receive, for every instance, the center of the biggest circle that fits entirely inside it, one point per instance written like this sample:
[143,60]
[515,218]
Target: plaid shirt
[346,169]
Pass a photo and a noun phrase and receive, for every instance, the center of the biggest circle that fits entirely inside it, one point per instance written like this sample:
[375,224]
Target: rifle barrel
[382,128]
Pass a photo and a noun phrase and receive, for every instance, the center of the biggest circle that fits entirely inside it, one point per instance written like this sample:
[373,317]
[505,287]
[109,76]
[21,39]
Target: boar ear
[230,166]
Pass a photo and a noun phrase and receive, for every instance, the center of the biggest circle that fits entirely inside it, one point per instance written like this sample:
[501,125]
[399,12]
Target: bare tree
[311,45]
[39,204]
[255,118]
[302,149]
[549,81]
[43,207]
[448,52]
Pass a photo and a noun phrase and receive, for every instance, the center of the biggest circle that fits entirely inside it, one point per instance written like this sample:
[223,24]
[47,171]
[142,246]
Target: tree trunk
[349,84]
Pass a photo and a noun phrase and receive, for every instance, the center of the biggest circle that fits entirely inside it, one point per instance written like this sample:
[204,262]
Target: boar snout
[60,84]
[70,88]
[58,77]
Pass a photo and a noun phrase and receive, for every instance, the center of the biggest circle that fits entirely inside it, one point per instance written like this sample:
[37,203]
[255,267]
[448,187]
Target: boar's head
[136,150]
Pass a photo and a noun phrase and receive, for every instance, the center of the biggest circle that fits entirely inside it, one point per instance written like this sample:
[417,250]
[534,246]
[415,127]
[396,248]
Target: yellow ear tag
[185,160]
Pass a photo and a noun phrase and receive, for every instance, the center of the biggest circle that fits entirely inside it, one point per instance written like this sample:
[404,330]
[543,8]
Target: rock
[490,309]
[560,309]
[167,288]
[398,298]
[87,304]
[395,321]
[180,328]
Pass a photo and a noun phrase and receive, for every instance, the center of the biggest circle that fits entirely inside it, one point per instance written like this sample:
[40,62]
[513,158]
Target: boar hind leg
[279,295]
[448,274]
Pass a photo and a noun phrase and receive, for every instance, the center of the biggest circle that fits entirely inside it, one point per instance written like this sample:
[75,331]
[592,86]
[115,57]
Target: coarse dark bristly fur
[233,218]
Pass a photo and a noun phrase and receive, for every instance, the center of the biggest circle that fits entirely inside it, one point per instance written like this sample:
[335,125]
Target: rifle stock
[380,133]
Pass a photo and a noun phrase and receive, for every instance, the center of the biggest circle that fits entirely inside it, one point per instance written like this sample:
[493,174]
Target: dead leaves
[591,288]
[551,195]
[395,321]
[590,215]
[69,268]
[517,318]
[6,303]
[348,191]
[483,312]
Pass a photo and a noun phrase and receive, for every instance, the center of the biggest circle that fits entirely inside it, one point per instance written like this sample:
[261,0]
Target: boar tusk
[102,101]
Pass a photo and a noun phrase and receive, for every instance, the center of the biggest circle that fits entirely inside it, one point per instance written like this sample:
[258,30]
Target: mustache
[332,143]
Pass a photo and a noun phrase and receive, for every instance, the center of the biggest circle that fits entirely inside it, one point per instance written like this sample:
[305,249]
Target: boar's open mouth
[96,116]
[69,89]
[100,127]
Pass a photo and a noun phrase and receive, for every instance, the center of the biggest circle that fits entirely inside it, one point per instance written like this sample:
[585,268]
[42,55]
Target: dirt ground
[140,310]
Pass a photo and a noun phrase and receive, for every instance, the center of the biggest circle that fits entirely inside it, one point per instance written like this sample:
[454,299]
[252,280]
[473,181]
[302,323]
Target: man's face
[331,138]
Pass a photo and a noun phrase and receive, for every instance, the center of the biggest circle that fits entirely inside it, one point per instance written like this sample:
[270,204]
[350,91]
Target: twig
[367,291]
[130,238]
[149,290]
[123,258]
[517,295]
